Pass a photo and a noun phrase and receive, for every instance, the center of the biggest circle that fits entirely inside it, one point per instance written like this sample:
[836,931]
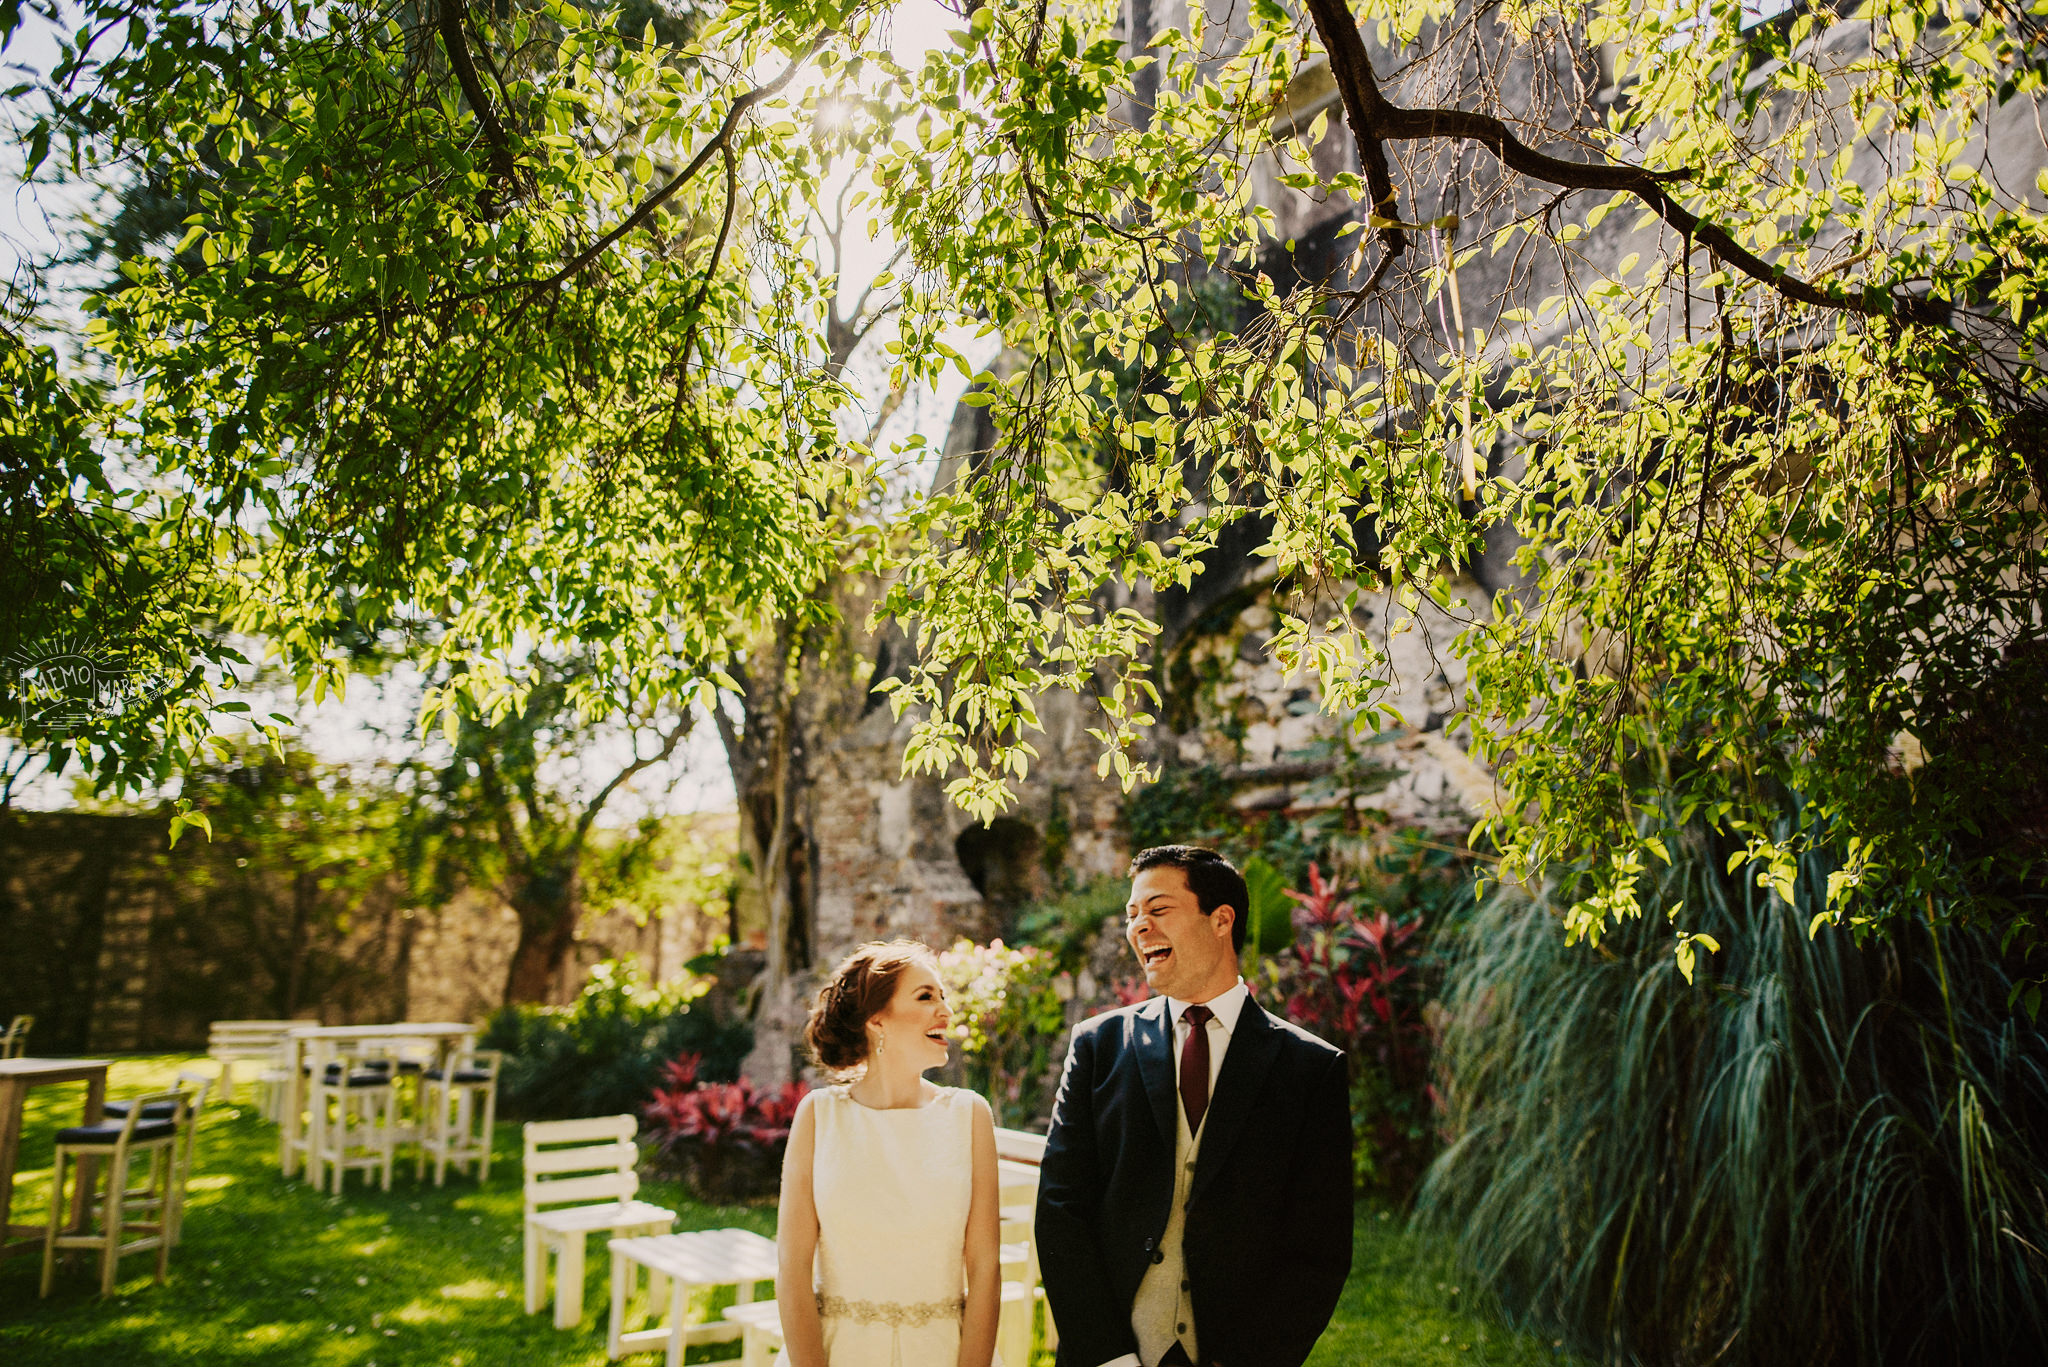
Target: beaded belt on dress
[901,1314]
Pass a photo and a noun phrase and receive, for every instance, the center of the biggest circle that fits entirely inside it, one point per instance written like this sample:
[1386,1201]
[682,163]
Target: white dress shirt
[1225,1010]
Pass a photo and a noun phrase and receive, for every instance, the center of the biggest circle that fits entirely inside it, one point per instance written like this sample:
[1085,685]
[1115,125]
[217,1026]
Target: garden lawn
[270,1271]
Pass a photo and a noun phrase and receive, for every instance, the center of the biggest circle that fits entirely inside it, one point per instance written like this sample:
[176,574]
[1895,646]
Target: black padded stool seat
[159,1110]
[110,1135]
[461,1075]
[408,1065]
[362,1079]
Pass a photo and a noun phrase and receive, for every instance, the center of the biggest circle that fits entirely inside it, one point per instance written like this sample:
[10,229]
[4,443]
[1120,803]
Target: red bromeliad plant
[727,1138]
[1128,991]
[1350,977]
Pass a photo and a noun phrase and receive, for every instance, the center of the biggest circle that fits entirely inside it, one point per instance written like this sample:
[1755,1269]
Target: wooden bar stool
[354,1102]
[117,1146]
[468,1087]
[407,1059]
[201,1087]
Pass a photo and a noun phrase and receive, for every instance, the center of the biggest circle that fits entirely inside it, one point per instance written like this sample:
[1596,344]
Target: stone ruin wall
[896,858]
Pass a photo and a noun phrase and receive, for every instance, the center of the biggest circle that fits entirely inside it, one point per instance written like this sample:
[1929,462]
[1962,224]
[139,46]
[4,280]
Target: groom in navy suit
[1194,1208]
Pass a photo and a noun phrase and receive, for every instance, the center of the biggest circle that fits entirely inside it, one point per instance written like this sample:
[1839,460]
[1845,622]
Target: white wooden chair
[260,1042]
[589,1162]
[355,1104]
[1019,1153]
[118,1144]
[458,1110]
[1019,1263]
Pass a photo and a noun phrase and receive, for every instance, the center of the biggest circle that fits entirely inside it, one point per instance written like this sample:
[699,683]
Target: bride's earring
[880,1039]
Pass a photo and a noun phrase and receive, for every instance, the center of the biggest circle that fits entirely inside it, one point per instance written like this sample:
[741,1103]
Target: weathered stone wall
[896,858]
[462,951]
[114,941]
[77,896]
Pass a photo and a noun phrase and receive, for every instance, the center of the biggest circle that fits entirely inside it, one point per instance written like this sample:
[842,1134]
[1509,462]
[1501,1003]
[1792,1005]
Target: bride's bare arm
[796,1245]
[984,1251]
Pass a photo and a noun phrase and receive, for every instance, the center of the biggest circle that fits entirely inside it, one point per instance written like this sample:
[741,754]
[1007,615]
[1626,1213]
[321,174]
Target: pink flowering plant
[725,1138]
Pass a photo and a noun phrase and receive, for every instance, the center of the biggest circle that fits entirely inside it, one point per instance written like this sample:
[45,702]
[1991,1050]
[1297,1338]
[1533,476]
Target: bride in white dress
[887,1236]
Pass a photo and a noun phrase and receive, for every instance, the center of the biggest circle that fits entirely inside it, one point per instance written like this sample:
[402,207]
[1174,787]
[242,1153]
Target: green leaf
[38,148]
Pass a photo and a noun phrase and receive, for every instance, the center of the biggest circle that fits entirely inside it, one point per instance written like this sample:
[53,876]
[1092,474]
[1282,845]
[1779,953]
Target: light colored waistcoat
[1164,1309]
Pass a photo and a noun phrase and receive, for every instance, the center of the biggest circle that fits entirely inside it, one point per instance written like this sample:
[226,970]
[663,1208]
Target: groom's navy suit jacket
[1267,1240]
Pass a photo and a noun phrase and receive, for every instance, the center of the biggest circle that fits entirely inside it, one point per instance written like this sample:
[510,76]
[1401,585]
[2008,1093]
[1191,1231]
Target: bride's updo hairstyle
[860,987]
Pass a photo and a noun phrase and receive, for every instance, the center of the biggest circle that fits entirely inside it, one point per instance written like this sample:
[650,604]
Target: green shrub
[1067,926]
[1820,1153]
[602,1054]
[1009,1012]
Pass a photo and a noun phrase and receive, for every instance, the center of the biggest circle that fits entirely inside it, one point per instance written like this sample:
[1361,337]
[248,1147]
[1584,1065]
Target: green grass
[1405,1305]
[270,1271]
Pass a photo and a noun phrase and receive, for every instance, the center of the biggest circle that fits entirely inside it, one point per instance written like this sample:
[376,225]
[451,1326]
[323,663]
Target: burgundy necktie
[1194,1066]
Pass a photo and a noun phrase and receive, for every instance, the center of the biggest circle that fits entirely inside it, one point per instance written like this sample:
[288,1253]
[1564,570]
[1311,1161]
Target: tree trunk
[766,754]
[547,929]
[295,982]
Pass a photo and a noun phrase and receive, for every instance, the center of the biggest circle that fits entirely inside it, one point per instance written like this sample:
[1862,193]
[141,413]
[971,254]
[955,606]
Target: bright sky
[360,729]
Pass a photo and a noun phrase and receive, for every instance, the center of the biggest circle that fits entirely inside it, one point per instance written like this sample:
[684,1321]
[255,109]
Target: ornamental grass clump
[1819,1153]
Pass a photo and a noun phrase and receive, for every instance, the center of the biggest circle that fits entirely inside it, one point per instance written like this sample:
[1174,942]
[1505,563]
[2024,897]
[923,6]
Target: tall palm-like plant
[1819,1153]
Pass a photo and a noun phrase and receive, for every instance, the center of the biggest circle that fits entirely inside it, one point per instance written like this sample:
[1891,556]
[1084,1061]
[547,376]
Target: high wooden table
[17,1075]
[308,1049]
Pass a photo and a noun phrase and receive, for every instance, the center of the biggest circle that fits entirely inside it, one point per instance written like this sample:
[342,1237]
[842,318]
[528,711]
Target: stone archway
[1001,860]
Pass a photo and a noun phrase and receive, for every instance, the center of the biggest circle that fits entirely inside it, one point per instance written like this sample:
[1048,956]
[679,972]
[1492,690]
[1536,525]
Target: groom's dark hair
[1213,880]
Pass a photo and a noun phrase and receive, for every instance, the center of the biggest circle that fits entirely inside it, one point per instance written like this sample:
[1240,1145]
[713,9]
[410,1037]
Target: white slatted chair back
[232,1042]
[581,1161]
[246,1039]
[1020,1146]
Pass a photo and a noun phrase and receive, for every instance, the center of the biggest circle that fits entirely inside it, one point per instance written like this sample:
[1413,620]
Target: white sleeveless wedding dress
[892,1190]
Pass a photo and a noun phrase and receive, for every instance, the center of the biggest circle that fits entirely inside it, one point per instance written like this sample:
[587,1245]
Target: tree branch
[1364,107]
[717,143]
[1376,121]
[732,191]
[668,747]
[448,23]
